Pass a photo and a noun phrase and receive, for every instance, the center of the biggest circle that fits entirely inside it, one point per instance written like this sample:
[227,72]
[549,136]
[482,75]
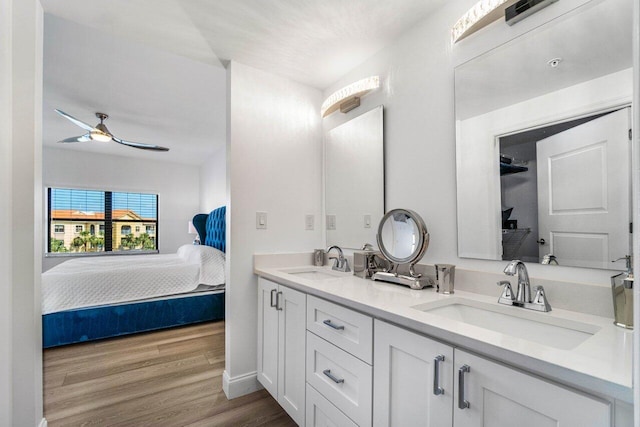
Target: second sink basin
[540,328]
[313,273]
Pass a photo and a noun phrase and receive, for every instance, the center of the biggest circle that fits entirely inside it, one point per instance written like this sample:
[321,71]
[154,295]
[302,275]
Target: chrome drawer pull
[331,325]
[462,403]
[437,390]
[273,292]
[327,372]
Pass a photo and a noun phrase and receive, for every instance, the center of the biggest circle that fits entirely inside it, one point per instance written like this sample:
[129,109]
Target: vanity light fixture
[348,98]
[479,16]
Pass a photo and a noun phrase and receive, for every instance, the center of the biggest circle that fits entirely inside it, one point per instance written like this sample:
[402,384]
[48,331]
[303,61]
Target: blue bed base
[88,324]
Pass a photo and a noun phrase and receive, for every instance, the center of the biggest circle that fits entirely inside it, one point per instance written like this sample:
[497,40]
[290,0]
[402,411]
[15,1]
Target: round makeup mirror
[402,236]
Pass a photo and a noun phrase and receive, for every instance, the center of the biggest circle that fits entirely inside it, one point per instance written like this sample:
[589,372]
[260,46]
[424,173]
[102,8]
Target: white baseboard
[240,385]
[43,423]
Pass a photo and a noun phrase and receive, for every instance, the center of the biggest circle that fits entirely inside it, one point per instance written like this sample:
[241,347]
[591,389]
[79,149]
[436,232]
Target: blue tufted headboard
[211,228]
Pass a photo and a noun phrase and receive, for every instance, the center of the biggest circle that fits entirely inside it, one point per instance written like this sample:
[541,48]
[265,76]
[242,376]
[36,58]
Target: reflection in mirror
[565,192]
[539,177]
[354,180]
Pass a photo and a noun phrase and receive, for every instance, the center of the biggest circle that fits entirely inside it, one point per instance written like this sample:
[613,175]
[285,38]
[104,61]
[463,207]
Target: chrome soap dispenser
[622,290]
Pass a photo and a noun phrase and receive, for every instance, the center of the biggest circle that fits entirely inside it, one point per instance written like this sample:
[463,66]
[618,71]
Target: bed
[140,292]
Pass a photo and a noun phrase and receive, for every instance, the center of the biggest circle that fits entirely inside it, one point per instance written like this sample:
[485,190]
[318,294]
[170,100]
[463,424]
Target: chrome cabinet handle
[462,403]
[331,325]
[273,292]
[437,390]
[327,372]
[278,306]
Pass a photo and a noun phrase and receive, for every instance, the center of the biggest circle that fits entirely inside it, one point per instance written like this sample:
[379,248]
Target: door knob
[541,241]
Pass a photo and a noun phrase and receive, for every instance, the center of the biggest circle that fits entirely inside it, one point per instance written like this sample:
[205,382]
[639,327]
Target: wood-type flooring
[161,379]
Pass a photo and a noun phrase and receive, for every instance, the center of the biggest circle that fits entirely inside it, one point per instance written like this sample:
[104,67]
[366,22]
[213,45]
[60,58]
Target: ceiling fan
[100,133]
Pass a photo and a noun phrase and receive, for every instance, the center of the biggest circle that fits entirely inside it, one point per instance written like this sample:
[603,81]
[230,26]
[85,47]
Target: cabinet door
[504,397]
[321,413]
[291,362]
[404,392]
[268,336]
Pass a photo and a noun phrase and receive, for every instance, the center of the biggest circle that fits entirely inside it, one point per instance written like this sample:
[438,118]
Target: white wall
[177,186]
[213,181]
[417,92]
[274,150]
[20,212]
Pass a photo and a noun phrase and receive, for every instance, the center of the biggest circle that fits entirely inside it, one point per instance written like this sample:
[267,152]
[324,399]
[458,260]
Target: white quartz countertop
[600,364]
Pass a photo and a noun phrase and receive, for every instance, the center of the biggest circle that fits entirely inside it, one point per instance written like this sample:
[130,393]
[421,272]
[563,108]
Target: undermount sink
[517,322]
[313,273]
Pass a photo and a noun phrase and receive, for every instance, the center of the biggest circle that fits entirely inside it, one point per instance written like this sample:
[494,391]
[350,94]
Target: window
[150,230]
[114,214]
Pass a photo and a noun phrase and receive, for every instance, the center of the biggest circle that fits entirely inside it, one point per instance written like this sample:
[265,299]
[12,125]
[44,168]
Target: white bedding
[99,280]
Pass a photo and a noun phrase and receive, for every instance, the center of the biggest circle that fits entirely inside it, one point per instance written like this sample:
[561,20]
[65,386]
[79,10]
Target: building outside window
[114,214]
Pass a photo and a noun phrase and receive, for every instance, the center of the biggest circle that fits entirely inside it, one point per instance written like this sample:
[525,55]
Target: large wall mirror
[542,142]
[354,180]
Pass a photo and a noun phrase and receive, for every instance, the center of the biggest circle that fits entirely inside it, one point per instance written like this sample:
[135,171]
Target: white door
[405,392]
[268,336]
[583,192]
[291,363]
[498,396]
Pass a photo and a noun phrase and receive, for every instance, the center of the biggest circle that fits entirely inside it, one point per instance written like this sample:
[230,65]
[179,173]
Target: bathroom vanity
[336,349]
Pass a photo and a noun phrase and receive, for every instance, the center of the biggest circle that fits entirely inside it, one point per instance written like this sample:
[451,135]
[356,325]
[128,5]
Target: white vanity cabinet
[499,396]
[413,377]
[281,346]
[416,384]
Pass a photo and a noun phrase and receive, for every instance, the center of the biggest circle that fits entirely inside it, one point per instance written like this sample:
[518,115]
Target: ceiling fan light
[96,135]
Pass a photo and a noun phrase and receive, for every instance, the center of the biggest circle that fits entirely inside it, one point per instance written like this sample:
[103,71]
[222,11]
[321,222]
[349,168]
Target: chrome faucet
[340,262]
[523,293]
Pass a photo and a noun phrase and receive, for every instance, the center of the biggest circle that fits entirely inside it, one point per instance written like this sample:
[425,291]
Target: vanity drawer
[349,330]
[343,379]
[322,413]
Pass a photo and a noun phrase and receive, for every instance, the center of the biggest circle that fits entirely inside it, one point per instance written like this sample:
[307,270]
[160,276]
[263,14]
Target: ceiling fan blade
[140,145]
[83,138]
[72,119]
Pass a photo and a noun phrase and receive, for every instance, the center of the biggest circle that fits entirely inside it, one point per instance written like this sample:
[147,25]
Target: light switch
[309,221]
[261,220]
[367,221]
[331,222]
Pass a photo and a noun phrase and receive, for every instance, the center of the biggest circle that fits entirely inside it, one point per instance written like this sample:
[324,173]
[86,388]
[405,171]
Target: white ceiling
[310,41]
[156,66]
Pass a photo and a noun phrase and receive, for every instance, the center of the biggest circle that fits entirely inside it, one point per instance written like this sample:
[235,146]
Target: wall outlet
[309,221]
[261,220]
[367,221]
[331,222]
